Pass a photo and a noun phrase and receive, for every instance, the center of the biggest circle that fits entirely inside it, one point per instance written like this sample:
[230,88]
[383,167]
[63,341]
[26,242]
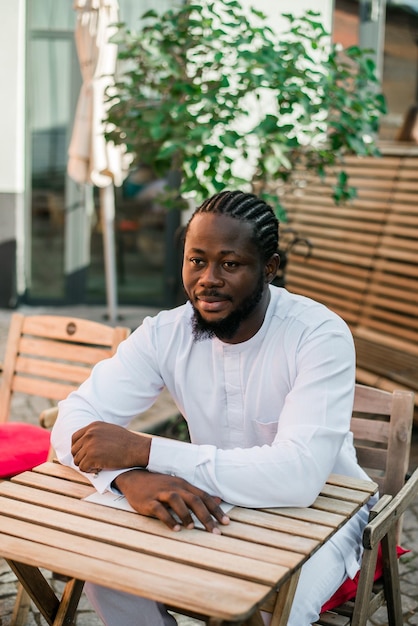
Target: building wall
[12,154]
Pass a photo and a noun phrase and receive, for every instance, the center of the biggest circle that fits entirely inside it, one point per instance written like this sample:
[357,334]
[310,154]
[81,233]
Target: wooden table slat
[265,536]
[343,493]
[331,505]
[284,524]
[205,592]
[61,471]
[368,486]
[309,515]
[55,485]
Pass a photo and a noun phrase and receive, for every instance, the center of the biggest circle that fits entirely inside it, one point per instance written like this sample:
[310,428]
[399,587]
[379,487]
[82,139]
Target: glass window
[49,63]
[62,232]
[51,14]
[130,11]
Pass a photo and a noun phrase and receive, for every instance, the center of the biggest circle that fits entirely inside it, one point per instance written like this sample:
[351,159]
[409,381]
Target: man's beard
[227,328]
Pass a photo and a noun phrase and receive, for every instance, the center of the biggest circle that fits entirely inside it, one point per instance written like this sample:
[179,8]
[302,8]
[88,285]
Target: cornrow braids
[247,207]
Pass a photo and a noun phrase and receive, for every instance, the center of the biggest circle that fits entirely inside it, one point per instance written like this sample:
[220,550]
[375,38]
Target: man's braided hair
[247,207]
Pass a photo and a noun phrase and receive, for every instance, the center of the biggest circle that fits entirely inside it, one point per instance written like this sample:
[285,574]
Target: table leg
[55,612]
[254,620]
[284,601]
[21,607]
[69,602]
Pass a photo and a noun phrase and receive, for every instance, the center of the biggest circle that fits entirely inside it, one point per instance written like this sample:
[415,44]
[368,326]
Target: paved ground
[28,411]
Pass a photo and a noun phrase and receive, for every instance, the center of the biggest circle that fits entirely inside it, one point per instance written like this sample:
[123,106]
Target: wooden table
[44,523]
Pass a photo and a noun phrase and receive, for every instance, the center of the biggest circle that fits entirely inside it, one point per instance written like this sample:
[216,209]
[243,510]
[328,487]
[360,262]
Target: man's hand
[158,495]
[106,446]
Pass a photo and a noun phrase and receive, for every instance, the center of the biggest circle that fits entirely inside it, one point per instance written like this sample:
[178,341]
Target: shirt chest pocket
[264,431]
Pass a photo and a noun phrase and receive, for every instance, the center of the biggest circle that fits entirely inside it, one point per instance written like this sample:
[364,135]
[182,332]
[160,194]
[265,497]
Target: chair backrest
[382,426]
[51,355]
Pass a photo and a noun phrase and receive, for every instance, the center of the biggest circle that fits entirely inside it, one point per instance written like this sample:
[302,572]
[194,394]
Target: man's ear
[271,267]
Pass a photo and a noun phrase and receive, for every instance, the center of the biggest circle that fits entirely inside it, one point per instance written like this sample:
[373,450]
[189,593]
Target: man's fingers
[161,512]
[171,499]
[176,503]
[83,460]
[110,446]
[80,433]
[207,511]
[77,444]
[205,507]
[84,465]
[212,505]
[183,503]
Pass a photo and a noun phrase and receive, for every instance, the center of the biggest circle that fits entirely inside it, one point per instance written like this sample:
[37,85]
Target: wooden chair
[382,426]
[46,356]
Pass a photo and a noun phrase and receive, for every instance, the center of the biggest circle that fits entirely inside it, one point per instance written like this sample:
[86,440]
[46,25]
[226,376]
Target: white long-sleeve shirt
[268,418]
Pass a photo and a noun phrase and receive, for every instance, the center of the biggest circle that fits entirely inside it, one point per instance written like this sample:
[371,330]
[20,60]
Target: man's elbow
[308,490]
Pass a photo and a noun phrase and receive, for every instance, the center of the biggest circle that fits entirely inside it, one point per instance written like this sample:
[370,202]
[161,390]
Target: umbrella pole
[107,210]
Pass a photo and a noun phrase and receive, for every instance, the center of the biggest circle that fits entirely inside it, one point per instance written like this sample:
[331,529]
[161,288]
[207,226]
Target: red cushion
[348,589]
[22,446]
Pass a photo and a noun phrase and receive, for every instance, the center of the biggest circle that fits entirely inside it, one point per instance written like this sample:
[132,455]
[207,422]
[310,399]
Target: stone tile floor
[28,411]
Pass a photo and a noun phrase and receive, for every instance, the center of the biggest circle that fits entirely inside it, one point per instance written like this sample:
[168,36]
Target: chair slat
[52,370]
[77,352]
[68,329]
[371,430]
[42,388]
[372,458]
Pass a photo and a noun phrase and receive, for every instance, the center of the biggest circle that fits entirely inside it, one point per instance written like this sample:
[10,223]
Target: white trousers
[320,577]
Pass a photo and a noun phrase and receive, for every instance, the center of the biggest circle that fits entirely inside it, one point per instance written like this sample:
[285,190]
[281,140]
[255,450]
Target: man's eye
[196,261]
[231,264]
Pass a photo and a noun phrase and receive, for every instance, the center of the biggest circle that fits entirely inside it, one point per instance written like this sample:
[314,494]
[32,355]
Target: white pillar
[12,130]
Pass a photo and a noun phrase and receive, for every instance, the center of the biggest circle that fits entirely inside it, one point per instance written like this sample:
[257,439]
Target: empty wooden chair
[46,356]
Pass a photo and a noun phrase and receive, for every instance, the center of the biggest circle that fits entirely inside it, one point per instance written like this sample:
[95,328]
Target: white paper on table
[117,501]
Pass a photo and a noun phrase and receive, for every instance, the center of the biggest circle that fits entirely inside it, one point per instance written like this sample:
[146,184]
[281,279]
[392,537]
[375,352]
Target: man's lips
[212,303]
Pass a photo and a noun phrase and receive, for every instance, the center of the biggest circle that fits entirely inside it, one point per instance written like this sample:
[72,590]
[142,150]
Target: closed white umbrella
[92,159]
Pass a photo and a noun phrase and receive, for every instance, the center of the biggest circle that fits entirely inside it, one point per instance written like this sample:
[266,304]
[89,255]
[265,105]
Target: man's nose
[211,275]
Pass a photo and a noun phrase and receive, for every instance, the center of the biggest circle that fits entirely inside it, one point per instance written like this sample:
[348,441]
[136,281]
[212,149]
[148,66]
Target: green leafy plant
[211,92]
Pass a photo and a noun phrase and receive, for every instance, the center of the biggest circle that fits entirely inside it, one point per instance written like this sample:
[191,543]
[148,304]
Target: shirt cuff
[169,456]
[104,479]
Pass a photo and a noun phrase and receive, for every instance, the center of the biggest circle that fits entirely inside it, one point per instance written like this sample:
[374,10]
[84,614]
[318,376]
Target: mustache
[212,293]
